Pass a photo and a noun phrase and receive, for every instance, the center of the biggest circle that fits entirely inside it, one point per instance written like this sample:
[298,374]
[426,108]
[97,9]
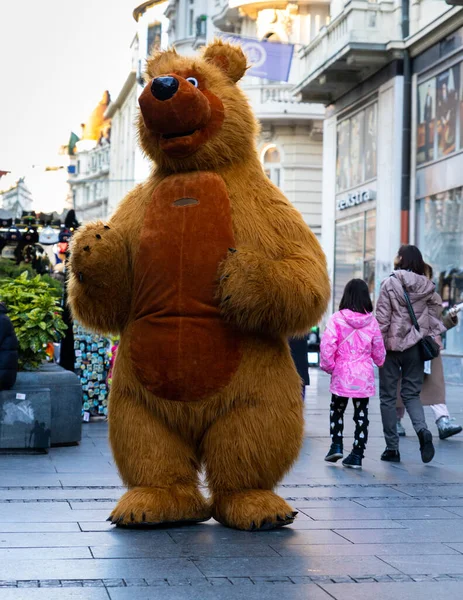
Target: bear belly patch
[181,348]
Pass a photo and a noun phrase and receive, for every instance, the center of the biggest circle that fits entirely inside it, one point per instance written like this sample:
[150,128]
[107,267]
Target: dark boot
[446,429]
[353,461]
[426,445]
[390,455]
[334,454]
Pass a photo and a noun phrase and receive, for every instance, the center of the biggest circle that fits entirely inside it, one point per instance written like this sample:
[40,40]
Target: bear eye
[193,81]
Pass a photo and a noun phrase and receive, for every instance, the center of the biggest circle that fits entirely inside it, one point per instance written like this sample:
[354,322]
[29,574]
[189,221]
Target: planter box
[25,419]
[65,396]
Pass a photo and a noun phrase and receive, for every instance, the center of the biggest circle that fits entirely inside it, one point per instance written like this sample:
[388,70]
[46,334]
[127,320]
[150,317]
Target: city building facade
[89,166]
[389,74]
[290,142]
[16,199]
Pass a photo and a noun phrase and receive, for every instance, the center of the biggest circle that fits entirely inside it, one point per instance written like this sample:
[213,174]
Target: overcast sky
[56,59]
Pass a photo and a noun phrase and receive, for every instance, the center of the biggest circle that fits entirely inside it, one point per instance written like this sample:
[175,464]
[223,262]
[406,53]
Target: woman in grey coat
[403,359]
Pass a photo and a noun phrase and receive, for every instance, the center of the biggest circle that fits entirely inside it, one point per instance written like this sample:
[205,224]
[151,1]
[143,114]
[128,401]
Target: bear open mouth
[172,136]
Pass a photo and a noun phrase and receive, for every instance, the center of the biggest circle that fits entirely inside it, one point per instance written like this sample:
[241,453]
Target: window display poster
[426,115]
[370,152]
[342,160]
[447,91]
[356,131]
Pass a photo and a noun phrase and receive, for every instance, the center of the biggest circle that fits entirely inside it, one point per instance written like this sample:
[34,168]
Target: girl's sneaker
[334,454]
[353,461]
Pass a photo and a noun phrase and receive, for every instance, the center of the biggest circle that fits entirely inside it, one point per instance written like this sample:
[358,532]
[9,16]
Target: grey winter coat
[392,313]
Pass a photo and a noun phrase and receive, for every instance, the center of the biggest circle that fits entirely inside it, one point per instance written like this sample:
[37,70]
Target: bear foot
[252,510]
[144,507]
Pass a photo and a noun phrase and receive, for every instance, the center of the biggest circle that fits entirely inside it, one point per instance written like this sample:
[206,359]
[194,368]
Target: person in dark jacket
[299,350]
[8,351]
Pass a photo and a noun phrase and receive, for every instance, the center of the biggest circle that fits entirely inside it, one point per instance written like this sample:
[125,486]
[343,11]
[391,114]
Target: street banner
[269,60]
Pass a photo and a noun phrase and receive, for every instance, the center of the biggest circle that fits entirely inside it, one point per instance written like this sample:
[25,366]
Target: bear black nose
[163,88]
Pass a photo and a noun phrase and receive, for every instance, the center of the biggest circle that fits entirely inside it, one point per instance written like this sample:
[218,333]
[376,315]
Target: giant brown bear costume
[205,270]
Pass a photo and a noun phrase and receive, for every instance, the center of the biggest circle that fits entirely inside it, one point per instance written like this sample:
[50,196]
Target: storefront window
[356,149]
[439,115]
[355,252]
[440,235]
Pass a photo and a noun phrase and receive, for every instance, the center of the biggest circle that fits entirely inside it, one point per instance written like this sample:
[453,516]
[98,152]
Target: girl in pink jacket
[352,342]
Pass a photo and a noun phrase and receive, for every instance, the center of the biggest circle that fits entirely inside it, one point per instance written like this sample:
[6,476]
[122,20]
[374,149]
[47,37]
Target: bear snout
[163,88]
[172,105]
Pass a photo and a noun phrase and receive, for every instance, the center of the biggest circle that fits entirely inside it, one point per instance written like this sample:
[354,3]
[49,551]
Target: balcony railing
[277,101]
[360,23]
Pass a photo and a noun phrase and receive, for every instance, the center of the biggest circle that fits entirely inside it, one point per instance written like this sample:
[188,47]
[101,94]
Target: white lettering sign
[355,199]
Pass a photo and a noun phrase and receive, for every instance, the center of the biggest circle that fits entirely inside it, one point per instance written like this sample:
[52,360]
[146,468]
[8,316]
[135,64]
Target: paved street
[390,531]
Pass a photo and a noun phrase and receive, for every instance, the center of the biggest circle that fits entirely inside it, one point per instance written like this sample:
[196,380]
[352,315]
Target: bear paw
[92,253]
[252,510]
[151,507]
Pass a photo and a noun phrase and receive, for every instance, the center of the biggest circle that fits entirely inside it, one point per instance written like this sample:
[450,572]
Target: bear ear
[228,57]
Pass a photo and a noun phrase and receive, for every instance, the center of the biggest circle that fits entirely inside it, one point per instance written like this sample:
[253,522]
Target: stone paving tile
[92,505]
[56,594]
[297,565]
[37,527]
[186,551]
[455,511]
[381,550]
[234,592]
[108,493]
[360,513]
[54,512]
[97,568]
[397,503]
[306,524]
[208,534]
[43,553]
[416,564]
[401,536]
[42,540]
[448,590]
[432,490]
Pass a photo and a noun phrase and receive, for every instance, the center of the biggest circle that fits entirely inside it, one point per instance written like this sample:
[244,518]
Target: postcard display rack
[92,365]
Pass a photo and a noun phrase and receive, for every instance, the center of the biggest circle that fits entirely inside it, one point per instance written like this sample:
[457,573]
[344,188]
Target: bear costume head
[193,115]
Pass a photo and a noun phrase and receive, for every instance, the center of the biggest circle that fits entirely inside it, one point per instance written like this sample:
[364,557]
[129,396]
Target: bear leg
[158,466]
[246,453]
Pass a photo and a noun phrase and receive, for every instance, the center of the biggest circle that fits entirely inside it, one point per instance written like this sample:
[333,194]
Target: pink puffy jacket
[352,342]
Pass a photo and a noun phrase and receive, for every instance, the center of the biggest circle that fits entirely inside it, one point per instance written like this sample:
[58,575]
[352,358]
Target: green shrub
[10,270]
[34,310]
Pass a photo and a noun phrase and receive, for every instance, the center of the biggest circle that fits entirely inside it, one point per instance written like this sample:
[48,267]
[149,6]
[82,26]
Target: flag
[72,143]
[268,60]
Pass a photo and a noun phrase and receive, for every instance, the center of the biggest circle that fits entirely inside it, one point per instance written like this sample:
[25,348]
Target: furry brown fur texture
[208,256]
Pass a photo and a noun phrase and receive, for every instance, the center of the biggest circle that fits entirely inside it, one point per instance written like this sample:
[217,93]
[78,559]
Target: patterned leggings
[337,409]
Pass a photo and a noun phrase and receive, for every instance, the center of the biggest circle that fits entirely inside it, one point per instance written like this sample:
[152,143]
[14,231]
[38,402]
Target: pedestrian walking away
[433,391]
[352,342]
[404,359]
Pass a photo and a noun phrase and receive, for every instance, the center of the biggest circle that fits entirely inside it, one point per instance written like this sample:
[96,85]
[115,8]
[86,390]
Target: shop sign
[355,199]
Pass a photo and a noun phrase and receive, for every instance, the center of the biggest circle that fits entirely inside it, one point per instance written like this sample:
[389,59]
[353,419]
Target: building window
[439,128]
[439,236]
[154,37]
[271,160]
[191,18]
[354,256]
[356,157]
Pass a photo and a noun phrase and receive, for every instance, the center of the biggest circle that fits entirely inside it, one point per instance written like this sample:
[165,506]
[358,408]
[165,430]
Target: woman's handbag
[429,349]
